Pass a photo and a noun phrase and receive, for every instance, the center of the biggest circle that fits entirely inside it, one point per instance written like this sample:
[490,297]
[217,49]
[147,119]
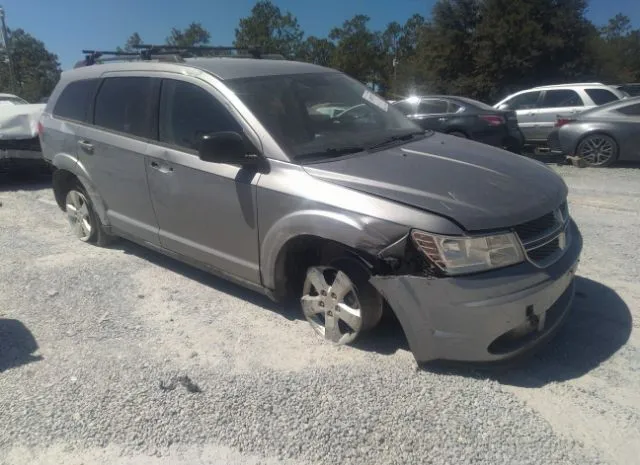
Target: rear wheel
[82,218]
[598,150]
[338,301]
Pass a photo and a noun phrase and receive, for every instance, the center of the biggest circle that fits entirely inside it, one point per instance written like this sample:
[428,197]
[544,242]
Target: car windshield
[321,114]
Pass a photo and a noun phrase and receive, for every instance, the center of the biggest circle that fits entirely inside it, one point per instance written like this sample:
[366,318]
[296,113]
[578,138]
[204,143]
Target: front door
[206,211]
[113,152]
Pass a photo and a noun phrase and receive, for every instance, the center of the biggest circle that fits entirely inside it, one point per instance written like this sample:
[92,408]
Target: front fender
[352,230]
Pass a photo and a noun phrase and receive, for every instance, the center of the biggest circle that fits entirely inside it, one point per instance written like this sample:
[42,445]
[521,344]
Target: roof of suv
[221,67]
[570,85]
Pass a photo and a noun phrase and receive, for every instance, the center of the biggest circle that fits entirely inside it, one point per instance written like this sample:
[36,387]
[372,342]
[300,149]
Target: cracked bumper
[485,317]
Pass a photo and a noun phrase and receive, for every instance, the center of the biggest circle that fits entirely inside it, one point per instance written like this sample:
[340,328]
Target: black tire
[371,301]
[580,150]
[98,235]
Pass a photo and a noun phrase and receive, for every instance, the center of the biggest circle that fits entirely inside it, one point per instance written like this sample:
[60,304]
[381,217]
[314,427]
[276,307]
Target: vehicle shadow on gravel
[207,279]
[598,326]
[17,345]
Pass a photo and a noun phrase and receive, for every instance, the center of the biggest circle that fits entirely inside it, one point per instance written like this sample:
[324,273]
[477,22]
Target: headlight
[461,255]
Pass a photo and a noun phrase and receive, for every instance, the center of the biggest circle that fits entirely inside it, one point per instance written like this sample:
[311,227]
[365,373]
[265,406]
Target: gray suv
[298,182]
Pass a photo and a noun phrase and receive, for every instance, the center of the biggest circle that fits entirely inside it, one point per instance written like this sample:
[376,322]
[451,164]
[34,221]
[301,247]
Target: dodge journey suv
[234,165]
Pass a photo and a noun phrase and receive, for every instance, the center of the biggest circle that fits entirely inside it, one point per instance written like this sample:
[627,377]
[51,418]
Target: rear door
[526,107]
[113,151]
[556,103]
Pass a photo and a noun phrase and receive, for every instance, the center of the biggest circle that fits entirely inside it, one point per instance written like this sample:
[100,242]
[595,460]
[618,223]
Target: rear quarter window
[601,96]
[75,99]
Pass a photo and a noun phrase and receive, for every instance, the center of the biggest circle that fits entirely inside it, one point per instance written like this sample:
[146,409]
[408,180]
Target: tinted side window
[601,96]
[561,98]
[188,112]
[405,107]
[455,107]
[631,89]
[433,106]
[124,104]
[525,101]
[74,100]
[630,110]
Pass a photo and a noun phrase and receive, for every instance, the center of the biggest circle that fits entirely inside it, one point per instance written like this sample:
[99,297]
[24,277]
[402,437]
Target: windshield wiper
[396,138]
[332,152]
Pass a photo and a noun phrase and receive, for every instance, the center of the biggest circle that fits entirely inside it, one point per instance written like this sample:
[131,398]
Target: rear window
[407,108]
[433,106]
[601,96]
[561,98]
[124,104]
[74,100]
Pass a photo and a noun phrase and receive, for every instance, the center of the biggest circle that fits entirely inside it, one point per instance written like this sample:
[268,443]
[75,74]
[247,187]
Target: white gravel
[126,339]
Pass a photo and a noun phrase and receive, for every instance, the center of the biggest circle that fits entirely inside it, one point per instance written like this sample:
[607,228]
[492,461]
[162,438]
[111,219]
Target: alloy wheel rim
[78,215]
[330,304]
[596,150]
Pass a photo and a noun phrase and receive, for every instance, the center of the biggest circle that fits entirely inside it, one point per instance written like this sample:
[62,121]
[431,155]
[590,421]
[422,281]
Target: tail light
[40,128]
[562,121]
[493,120]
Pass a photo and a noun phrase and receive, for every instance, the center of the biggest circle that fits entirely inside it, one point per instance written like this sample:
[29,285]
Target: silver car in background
[539,108]
[602,135]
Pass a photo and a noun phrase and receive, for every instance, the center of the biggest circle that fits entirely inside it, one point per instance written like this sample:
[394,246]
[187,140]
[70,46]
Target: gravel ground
[122,356]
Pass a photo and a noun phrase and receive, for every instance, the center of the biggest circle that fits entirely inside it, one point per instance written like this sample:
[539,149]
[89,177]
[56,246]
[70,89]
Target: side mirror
[226,147]
[504,106]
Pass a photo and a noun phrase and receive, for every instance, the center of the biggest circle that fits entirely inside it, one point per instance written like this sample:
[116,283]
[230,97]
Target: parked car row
[534,117]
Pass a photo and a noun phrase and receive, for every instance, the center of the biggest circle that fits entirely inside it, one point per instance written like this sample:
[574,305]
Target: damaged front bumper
[485,317]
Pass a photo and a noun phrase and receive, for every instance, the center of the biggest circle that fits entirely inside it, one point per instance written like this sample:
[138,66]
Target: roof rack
[174,53]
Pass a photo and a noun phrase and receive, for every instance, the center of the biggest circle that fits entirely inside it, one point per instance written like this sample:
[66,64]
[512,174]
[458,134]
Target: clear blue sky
[68,26]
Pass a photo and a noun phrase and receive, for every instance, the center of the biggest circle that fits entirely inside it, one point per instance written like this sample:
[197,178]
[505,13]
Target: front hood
[476,185]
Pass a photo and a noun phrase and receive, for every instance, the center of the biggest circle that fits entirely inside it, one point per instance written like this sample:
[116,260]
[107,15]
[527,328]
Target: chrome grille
[545,239]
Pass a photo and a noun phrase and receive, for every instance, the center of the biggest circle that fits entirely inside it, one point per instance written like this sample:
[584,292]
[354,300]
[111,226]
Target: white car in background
[19,143]
[539,108]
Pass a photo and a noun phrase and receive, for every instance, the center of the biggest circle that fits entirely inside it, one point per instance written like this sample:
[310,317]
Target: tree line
[477,48]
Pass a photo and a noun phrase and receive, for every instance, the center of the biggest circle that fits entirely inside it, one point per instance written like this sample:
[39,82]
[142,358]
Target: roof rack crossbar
[255,52]
[178,53]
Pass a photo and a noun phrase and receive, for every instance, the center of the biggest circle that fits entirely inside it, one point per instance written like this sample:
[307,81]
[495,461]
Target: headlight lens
[461,255]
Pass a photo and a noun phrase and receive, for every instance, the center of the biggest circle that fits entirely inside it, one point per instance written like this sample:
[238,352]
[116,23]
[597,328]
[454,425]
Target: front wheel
[338,301]
[597,150]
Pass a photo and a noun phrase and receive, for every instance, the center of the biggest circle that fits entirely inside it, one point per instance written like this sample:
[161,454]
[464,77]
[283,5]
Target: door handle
[442,119]
[162,167]
[86,146]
